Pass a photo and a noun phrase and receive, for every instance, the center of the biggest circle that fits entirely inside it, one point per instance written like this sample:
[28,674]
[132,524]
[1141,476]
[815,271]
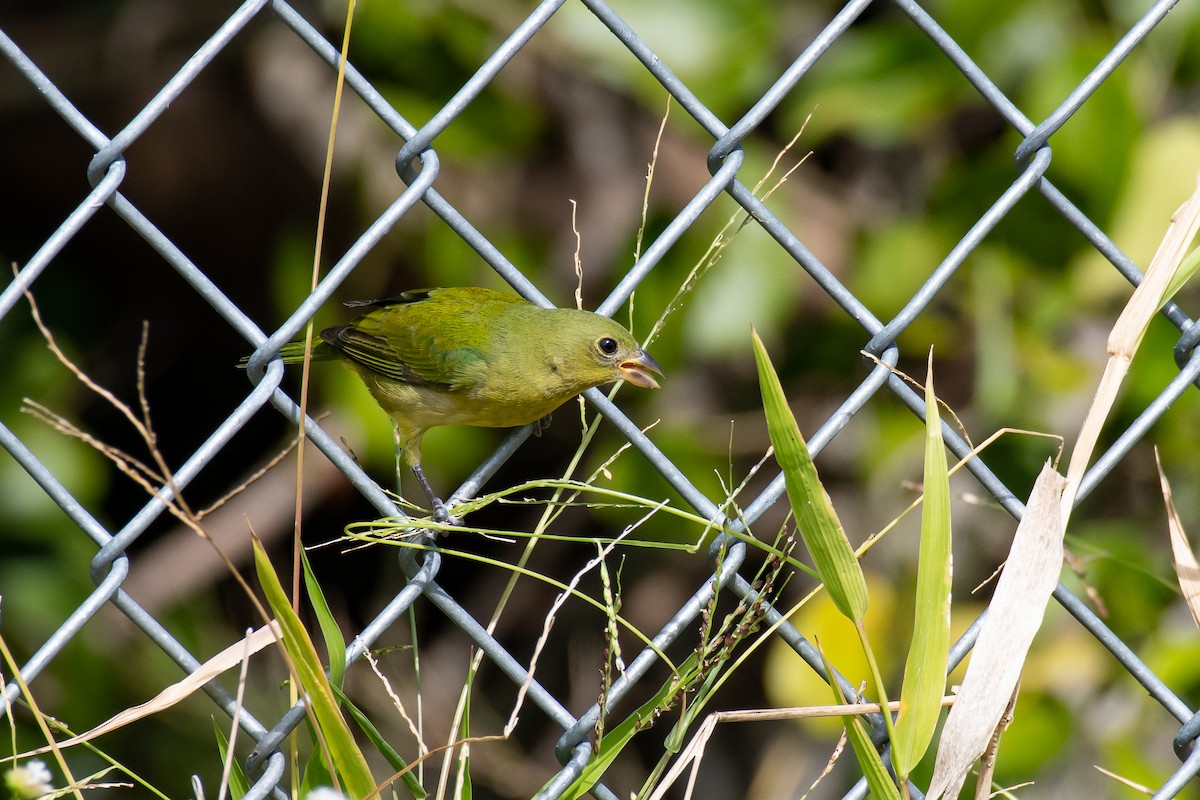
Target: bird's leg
[408,451]
[439,508]
[399,437]
[435,503]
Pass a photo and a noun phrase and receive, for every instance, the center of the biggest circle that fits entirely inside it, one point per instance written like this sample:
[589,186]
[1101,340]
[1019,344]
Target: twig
[987,762]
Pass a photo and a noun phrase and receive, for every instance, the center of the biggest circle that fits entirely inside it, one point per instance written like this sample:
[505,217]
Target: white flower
[29,781]
[325,793]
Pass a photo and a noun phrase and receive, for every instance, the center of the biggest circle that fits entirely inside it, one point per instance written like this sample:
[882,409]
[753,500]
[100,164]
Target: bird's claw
[442,516]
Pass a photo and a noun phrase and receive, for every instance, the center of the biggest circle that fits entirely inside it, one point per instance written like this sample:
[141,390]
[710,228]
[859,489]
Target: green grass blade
[238,784]
[348,761]
[335,643]
[879,780]
[462,779]
[819,525]
[925,668]
[1014,616]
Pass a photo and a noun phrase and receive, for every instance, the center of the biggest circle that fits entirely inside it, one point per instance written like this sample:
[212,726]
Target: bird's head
[599,350]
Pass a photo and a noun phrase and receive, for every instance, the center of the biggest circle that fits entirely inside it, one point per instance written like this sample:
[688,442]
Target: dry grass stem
[548,623]
[693,753]
[1137,787]
[231,744]
[723,239]
[641,232]
[422,748]
[838,749]
[576,255]
[253,477]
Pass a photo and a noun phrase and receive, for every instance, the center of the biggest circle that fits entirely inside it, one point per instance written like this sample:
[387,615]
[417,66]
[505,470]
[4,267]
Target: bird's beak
[637,370]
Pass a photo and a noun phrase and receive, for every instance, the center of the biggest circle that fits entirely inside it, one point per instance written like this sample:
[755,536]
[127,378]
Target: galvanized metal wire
[417,162]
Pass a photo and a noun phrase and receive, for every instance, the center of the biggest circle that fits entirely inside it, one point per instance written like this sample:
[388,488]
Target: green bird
[469,356]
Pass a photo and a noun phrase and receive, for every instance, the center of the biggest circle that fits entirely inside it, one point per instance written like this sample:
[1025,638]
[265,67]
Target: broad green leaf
[879,780]
[925,668]
[818,522]
[335,643]
[348,761]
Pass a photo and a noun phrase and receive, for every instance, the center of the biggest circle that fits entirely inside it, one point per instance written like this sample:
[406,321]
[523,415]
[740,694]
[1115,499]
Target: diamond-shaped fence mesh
[524,40]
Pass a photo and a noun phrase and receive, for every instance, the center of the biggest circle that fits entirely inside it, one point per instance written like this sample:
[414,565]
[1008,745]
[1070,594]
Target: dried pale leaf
[690,755]
[177,692]
[928,655]
[1186,567]
[1150,294]
[1014,616]
[1115,370]
[1165,273]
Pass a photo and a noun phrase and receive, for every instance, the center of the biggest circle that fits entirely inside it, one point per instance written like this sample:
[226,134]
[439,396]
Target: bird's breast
[489,405]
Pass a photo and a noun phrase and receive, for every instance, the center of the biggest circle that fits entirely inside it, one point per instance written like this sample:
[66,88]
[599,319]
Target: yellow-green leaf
[348,761]
[925,668]
[819,525]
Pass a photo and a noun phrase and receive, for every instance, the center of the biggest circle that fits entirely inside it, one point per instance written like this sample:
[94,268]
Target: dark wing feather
[372,353]
[411,296]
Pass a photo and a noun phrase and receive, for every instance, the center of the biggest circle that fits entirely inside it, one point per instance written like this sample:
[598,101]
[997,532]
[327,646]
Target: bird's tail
[293,353]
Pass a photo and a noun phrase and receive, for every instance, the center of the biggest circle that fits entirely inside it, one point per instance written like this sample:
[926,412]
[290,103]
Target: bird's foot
[442,515]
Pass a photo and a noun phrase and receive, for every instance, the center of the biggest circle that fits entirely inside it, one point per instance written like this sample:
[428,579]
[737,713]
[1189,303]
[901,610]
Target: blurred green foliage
[905,157]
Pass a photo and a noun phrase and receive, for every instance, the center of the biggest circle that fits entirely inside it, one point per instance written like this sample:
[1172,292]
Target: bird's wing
[378,355]
[430,337]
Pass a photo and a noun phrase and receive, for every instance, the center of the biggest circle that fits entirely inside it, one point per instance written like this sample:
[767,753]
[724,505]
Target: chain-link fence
[418,163]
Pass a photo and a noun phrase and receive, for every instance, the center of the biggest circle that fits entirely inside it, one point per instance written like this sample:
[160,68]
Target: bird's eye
[607,345]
